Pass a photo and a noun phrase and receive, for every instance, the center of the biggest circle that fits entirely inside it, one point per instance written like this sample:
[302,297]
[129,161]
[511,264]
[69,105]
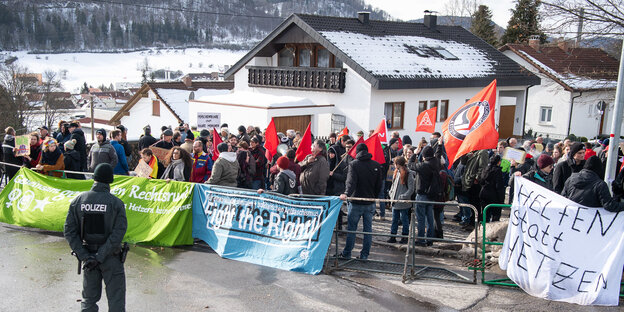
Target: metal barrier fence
[503,281]
[410,270]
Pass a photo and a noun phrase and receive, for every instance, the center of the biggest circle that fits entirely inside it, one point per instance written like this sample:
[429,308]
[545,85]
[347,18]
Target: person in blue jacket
[122,164]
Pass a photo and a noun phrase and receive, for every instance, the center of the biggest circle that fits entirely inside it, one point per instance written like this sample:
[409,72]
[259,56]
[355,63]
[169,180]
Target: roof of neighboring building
[200,76]
[174,95]
[402,55]
[576,69]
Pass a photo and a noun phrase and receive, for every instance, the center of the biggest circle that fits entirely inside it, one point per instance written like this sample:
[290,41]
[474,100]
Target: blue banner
[267,229]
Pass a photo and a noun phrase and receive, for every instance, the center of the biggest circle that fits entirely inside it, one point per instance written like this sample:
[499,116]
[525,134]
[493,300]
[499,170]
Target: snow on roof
[260,100]
[574,81]
[411,57]
[178,99]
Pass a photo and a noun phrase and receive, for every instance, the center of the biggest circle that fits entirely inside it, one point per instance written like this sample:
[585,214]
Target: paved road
[38,274]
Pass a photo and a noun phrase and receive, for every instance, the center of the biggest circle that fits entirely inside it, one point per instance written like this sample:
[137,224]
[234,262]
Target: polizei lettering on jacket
[93,207]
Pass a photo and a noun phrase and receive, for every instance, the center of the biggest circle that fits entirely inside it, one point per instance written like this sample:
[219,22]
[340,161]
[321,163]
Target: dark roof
[506,71]
[592,63]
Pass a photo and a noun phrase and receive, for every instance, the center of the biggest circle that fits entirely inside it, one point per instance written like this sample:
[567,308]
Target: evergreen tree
[482,25]
[524,23]
[84,89]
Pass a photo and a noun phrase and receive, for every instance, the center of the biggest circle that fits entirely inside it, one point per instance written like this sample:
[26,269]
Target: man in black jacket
[587,189]
[574,163]
[147,139]
[364,181]
[94,228]
[81,144]
[428,175]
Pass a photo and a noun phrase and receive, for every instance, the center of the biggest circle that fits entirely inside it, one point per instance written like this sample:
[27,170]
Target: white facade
[571,112]
[141,114]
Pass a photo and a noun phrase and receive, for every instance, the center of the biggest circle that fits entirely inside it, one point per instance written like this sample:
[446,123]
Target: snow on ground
[107,68]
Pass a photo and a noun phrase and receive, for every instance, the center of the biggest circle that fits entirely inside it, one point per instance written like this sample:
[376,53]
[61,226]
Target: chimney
[430,19]
[188,82]
[534,42]
[563,45]
[364,17]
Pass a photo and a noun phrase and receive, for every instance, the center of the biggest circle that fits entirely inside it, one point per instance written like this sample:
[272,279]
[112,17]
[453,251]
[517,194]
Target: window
[305,56]
[394,114]
[445,54]
[545,114]
[422,106]
[286,57]
[443,115]
[323,57]
[155,108]
[433,104]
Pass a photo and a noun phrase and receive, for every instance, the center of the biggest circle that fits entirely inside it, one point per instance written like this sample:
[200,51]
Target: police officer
[95,226]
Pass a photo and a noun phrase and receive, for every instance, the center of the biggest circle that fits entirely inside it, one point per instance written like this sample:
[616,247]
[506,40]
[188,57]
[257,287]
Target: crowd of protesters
[417,171]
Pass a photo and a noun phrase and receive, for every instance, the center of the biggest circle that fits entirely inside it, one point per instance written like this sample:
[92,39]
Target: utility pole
[92,122]
[616,124]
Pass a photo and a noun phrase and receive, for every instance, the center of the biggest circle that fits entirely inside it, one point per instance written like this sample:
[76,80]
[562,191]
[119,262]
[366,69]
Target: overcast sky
[413,9]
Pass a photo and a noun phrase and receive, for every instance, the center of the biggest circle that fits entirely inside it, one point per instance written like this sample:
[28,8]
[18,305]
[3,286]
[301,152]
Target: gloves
[90,263]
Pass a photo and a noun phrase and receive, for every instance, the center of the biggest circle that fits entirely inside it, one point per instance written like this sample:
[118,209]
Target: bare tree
[51,101]
[15,84]
[454,9]
[598,17]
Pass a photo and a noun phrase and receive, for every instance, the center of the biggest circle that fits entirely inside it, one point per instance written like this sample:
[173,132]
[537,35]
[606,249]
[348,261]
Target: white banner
[558,250]
[208,120]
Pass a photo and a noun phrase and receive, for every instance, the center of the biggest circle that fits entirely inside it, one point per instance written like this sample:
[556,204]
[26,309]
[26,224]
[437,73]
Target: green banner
[159,213]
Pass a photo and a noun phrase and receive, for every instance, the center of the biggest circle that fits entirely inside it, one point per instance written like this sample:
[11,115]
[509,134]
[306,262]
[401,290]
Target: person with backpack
[428,189]
[477,162]
[402,189]
[492,189]
[286,181]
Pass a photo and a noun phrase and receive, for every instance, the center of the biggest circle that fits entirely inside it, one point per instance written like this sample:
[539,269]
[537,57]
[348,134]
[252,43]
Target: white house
[352,72]
[577,92]
[164,104]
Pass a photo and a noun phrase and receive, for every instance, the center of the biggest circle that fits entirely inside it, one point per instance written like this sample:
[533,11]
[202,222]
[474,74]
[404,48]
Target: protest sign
[143,170]
[22,143]
[158,213]
[208,120]
[160,153]
[514,154]
[268,229]
[558,250]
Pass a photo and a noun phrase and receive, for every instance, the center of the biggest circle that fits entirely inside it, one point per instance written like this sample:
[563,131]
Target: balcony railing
[301,78]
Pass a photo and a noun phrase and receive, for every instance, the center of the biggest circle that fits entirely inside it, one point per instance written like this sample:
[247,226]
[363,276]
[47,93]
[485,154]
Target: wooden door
[297,123]
[506,121]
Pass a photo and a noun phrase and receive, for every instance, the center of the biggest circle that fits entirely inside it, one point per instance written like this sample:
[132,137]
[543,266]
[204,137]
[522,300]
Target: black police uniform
[95,226]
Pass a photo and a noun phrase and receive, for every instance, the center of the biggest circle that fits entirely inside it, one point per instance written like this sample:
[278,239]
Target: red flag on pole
[344,132]
[305,146]
[426,120]
[382,131]
[351,151]
[374,148]
[271,141]
[472,126]
[216,140]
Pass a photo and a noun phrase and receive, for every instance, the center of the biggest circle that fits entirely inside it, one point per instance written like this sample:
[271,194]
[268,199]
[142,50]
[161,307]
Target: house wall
[353,103]
[585,119]
[141,115]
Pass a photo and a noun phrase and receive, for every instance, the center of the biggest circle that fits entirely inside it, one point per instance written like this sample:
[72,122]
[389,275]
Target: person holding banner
[94,228]
[51,159]
[31,160]
[542,174]
[586,188]
[574,163]
[315,170]
[158,168]
[225,169]
[179,165]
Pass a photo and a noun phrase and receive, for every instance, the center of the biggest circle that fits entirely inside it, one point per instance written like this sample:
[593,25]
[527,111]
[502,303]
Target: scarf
[153,163]
[50,158]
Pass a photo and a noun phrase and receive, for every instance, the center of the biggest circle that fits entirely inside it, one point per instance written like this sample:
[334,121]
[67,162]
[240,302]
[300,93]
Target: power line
[145,6]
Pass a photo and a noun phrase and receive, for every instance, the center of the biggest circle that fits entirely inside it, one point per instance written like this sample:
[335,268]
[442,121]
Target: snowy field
[107,68]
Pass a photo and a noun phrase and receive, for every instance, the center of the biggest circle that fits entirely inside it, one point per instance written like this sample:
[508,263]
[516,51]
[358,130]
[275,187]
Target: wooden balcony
[300,78]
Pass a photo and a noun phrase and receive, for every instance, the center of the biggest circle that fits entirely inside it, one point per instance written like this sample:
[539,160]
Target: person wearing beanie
[542,175]
[364,178]
[588,189]
[101,152]
[574,163]
[286,181]
[147,139]
[225,169]
[94,228]
[51,158]
[71,158]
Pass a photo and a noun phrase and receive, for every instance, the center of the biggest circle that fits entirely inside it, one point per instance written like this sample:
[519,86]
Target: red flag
[216,140]
[472,126]
[344,132]
[271,141]
[374,148]
[382,131]
[426,120]
[351,151]
[305,146]
[400,146]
